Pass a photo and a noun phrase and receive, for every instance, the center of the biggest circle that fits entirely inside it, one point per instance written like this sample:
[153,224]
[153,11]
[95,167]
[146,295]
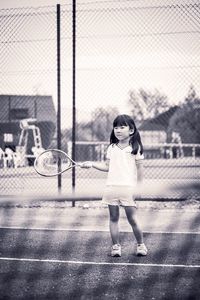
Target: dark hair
[135,140]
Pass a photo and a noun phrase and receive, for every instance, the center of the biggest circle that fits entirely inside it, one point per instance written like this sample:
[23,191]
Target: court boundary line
[96,230]
[77,262]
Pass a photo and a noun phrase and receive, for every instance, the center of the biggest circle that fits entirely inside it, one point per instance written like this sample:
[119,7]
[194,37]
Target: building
[14,108]
[155,132]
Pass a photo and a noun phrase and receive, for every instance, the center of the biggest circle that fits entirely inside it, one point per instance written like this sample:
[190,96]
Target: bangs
[121,120]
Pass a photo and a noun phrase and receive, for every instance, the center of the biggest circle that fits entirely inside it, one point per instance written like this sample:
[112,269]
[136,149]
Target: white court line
[93,230]
[77,262]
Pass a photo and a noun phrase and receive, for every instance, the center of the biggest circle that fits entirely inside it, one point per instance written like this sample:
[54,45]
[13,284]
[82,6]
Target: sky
[28,3]
[121,46]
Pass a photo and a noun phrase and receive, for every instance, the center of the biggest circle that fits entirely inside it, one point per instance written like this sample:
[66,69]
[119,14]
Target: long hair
[135,139]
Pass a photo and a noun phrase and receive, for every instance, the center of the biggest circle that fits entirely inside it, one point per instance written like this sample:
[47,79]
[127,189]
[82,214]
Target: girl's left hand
[86,165]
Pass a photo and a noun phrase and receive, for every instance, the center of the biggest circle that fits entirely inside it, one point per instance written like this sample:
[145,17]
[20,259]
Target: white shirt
[122,166]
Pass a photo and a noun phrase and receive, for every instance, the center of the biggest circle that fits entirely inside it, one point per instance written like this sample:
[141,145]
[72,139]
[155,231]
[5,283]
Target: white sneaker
[141,250]
[116,250]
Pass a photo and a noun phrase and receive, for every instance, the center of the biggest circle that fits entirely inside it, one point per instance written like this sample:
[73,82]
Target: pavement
[51,250]
[85,218]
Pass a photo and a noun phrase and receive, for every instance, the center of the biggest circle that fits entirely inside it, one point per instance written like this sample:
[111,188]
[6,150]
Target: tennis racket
[53,162]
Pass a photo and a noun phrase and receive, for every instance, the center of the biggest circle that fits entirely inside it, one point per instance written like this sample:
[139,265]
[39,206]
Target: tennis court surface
[54,251]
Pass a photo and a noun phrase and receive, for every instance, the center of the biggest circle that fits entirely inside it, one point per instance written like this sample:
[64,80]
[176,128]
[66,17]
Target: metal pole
[58,91]
[74,95]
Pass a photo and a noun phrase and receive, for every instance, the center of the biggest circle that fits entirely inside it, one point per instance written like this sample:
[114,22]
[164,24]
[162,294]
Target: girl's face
[123,132]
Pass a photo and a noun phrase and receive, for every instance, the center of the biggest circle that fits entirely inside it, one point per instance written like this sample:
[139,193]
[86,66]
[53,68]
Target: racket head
[52,162]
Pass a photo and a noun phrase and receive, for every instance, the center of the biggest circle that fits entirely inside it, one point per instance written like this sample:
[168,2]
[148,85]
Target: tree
[145,104]
[101,124]
[97,129]
[185,120]
[83,132]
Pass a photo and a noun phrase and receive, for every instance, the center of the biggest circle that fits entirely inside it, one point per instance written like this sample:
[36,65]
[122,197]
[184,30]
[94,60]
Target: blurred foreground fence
[135,57]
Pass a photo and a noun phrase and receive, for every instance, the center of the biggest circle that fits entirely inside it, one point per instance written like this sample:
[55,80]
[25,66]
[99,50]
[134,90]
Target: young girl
[124,167]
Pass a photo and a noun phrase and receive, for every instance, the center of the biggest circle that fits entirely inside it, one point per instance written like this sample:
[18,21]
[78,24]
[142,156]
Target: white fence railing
[97,149]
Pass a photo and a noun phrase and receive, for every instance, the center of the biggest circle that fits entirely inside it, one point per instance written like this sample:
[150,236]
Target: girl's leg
[131,216]
[114,219]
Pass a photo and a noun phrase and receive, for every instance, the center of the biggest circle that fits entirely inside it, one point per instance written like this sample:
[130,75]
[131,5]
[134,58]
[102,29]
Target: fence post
[74,96]
[58,91]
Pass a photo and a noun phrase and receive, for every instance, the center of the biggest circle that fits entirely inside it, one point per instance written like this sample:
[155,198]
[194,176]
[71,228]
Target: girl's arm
[101,166]
[139,166]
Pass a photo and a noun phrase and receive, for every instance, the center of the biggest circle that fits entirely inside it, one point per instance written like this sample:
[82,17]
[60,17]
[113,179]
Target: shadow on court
[58,254]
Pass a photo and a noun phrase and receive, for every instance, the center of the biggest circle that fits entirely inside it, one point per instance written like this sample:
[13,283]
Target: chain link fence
[135,57]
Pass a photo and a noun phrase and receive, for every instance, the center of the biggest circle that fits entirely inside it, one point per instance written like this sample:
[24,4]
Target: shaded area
[64,280]
[60,281]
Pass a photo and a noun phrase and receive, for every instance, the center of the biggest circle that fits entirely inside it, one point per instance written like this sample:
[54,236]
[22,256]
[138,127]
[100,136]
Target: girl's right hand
[86,165]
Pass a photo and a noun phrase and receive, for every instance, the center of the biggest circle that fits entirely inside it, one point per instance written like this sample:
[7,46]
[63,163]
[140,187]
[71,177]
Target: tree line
[143,105]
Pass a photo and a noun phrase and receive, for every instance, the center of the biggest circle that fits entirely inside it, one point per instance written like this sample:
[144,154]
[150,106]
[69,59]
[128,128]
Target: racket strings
[52,162]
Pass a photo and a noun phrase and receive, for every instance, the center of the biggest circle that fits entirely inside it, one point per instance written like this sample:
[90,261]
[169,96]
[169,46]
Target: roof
[16,107]
[160,122]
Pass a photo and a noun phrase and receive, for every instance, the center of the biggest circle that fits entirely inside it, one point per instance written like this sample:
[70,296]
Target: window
[8,137]
[19,113]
